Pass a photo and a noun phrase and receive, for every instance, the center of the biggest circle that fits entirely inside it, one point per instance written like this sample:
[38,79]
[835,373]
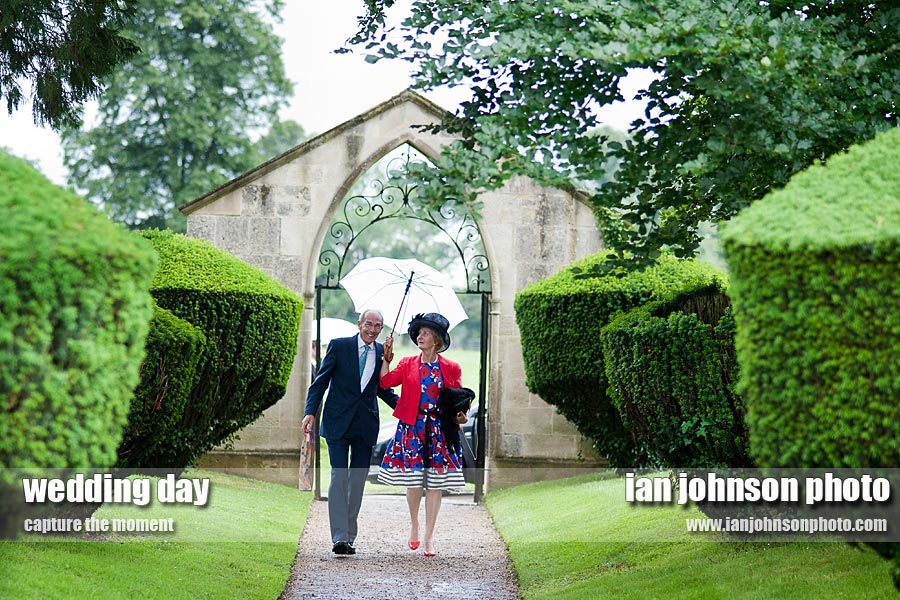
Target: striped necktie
[362,360]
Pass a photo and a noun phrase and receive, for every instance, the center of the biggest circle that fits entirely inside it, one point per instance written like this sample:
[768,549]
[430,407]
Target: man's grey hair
[375,311]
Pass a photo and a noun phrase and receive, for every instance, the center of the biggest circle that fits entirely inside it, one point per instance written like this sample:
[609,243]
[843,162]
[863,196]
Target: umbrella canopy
[402,288]
[335,328]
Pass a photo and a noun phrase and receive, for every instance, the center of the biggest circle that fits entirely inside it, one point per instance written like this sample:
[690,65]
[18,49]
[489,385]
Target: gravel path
[471,561]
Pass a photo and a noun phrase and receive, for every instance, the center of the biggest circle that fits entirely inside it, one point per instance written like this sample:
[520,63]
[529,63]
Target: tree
[180,119]
[281,137]
[745,95]
[63,49]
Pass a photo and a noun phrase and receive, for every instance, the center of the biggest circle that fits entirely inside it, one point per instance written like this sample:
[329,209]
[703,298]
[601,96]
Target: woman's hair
[437,338]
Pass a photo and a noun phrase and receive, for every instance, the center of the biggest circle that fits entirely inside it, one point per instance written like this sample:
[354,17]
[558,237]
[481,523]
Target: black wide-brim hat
[436,322]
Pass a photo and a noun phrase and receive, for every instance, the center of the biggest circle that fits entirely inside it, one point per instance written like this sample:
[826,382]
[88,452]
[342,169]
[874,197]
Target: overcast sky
[329,88]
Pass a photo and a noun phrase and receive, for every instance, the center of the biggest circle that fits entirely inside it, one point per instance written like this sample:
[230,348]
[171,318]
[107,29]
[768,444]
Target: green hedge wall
[817,302]
[672,372]
[74,314]
[251,324]
[560,321]
[174,348]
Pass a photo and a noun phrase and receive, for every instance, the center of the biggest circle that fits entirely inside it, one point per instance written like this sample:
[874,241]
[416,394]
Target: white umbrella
[335,328]
[403,288]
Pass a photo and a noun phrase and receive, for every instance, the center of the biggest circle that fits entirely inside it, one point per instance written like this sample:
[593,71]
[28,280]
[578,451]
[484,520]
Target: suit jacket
[347,411]
[406,374]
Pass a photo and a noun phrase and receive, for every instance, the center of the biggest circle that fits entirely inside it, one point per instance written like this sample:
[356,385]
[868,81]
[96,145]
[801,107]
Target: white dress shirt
[369,369]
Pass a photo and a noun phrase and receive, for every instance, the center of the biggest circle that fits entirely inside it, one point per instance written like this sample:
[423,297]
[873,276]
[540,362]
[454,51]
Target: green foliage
[672,371]
[281,137]
[63,49]
[174,348]
[250,322]
[179,119]
[739,96]
[74,313]
[818,311]
[560,320]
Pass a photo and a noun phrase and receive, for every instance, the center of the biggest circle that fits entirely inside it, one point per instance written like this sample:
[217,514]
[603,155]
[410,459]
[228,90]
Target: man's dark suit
[349,425]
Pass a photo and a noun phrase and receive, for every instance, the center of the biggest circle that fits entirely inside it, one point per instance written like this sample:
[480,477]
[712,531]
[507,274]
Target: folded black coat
[452,401]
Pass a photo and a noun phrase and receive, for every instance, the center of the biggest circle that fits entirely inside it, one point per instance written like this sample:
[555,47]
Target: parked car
[386,434]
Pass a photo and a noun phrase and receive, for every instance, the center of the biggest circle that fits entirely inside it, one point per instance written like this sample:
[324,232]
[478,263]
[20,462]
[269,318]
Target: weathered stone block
[292,200]
[256,200]
[263,235]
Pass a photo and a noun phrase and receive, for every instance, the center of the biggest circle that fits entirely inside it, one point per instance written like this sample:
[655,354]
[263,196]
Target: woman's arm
[391,378]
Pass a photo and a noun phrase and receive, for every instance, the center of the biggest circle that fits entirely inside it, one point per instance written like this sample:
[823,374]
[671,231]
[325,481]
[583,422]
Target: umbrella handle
[403,300]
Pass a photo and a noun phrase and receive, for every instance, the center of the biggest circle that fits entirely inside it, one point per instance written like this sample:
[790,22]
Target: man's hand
[307,424]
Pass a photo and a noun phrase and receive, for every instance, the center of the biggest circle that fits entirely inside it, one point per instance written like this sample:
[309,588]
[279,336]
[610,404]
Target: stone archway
[385,198]
[275,217]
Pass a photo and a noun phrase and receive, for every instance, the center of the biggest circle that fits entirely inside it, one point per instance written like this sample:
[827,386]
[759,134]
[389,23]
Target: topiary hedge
[251,324]
[174,348]
[672,373]
[560,320]
[817,303]
[74,314]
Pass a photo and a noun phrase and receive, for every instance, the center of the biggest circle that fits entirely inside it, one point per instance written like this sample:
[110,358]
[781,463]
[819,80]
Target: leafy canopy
[745,94]
[179,119]
[59,51]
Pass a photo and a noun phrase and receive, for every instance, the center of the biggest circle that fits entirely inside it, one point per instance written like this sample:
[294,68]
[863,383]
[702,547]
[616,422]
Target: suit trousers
[349,458]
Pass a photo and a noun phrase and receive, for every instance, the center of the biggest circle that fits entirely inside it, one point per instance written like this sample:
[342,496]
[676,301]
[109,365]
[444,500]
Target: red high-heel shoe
[413,545]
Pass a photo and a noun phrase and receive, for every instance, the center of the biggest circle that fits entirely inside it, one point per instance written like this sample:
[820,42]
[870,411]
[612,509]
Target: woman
[419,458]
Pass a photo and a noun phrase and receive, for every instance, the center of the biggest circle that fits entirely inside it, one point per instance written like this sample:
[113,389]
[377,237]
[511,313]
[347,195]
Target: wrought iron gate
[396,198]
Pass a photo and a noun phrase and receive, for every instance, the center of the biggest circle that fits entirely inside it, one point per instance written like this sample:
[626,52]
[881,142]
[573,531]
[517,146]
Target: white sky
[329,88]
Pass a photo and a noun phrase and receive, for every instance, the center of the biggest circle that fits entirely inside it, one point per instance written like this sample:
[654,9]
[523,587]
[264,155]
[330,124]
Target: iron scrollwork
[394,198]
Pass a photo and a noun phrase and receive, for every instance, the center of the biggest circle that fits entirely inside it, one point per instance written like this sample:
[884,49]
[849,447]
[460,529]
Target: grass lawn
[240,545]
[578,538]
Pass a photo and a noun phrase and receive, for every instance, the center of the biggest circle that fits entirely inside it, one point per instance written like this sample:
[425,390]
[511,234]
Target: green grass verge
[241,545]
[577,538]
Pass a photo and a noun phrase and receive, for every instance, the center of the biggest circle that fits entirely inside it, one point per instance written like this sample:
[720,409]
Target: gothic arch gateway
[395,197]
[278,216]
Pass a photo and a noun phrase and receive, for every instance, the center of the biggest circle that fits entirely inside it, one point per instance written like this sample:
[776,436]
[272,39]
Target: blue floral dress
[418,456]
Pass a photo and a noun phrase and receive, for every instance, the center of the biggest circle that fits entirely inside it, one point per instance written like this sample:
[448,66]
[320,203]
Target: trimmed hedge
[74,314]
[251,324]
[672,373]
[560,320]
[817,303]
[174,348]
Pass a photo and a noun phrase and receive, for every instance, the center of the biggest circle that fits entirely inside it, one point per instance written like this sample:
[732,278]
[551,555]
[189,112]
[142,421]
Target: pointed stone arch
[276,216]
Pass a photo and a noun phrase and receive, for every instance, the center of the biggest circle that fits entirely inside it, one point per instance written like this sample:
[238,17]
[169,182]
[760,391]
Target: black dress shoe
[342,548]
[350,548]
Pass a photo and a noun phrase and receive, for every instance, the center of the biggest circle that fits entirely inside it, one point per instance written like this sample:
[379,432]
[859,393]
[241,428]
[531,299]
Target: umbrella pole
[402,301]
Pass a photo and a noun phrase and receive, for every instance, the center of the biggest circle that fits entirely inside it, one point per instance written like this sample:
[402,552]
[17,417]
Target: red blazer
[406,375]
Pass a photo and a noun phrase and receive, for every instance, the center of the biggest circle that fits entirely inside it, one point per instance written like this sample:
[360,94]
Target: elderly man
[349,421]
